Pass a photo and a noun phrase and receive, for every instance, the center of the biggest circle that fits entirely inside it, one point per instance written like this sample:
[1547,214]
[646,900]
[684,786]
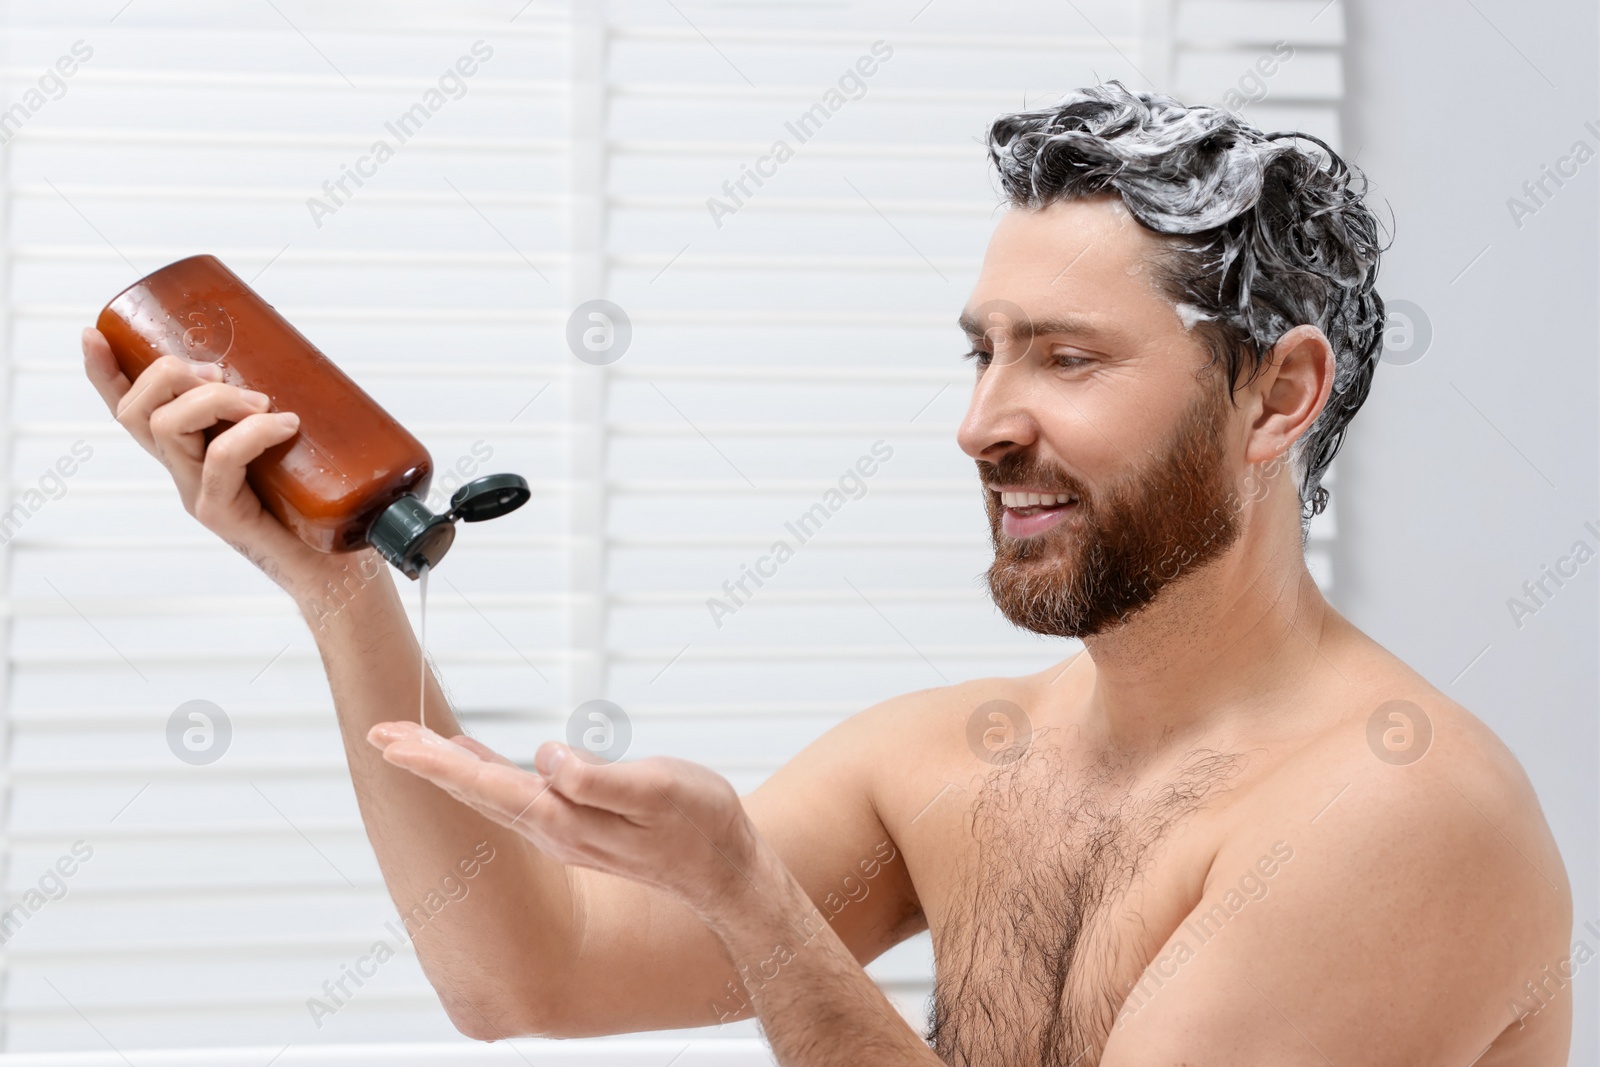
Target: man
[1233,830]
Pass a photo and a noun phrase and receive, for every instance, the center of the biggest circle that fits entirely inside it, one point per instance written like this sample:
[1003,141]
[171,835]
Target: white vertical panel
[7,99]
[587,444]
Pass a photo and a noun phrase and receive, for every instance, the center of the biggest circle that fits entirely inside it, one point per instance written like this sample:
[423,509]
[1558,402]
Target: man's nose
[999,418]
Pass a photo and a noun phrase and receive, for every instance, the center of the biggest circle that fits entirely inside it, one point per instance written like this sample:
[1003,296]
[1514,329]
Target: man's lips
[1028,513]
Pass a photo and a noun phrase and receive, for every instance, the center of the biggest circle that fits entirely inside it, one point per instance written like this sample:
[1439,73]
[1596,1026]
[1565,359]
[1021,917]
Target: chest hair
[1041,943]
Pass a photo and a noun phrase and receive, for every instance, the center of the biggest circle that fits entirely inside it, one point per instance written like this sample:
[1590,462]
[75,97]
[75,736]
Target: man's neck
[1215,647]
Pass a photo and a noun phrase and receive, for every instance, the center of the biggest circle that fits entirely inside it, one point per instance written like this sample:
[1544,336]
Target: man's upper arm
[817,812]
[1395,928]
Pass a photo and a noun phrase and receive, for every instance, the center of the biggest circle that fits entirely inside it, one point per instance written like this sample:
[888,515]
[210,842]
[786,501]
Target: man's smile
[1030,512]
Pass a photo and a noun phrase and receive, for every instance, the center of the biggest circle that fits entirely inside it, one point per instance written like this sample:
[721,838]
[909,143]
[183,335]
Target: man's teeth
[1034,500]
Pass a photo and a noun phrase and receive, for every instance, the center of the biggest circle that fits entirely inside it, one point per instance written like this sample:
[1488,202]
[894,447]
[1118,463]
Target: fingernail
[551,758]
[209,370]
[383,733]
[289,418]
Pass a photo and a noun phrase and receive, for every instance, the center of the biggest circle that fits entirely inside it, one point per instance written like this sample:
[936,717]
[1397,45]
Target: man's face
[1089,396]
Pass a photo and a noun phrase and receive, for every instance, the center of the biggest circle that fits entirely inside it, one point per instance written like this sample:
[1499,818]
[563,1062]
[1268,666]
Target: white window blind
[783,331]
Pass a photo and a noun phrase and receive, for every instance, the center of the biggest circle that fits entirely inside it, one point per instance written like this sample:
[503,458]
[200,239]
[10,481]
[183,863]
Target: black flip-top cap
[410,536]
[489,497]
[414,538]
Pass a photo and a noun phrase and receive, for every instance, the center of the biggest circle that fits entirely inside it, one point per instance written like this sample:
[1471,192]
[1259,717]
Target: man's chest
[1060,886]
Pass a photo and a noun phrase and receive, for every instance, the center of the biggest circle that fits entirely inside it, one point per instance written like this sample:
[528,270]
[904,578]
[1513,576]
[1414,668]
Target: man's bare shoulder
[910,748]
[1404,761]
[1414,749]
[912,737]
[925,720]
[1402,848]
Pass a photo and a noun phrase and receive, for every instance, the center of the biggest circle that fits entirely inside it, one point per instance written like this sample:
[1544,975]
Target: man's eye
[1067,362]
[980,356]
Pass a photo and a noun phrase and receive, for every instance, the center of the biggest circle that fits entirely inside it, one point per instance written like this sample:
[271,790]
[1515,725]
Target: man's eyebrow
[1026,328]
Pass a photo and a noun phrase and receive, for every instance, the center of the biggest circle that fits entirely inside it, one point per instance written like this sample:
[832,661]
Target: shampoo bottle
[352,475]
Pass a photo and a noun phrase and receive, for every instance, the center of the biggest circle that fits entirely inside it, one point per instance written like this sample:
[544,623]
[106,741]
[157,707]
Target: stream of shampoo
[422,649]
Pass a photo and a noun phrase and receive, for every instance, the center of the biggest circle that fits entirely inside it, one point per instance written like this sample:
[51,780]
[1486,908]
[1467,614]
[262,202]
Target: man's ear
[1290,392]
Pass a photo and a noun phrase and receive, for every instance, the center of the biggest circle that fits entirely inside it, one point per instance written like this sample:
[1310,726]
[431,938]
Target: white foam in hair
[1188,314]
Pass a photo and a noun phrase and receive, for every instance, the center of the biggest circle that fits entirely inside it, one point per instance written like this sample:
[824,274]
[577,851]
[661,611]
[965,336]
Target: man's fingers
[204,406]
[503,792]
[230,451]
[386,732]
[479,749]
[437,763]
[163,380]
[101,367]
[504,787]
[562,830]
[566,832]
[455,766]
[628,789]
[177,426]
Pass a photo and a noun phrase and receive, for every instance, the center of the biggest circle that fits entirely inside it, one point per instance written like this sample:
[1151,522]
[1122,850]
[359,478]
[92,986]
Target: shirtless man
[1233,830]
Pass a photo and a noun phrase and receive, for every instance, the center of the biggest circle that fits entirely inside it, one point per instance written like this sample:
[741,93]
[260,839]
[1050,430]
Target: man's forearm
[513,926]
[817,1006]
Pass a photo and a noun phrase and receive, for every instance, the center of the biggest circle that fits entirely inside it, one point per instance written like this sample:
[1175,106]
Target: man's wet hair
[1265,231]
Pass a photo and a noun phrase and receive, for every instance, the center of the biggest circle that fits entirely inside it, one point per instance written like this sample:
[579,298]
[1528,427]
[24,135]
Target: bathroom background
[770,317]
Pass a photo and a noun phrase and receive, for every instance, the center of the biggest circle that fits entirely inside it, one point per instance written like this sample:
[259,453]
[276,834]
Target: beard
[1096,568]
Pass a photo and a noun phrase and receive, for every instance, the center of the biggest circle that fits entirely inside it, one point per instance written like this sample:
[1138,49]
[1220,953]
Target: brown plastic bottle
[352,475]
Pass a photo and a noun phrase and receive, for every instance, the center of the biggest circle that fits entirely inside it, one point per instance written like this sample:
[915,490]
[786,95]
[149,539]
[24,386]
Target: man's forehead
[1074,266]
[1098,228]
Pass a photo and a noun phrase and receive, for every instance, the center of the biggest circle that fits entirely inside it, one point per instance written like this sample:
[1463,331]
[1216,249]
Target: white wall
[1473,467]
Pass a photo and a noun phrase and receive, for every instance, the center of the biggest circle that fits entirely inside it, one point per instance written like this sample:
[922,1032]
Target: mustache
[1017,469]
